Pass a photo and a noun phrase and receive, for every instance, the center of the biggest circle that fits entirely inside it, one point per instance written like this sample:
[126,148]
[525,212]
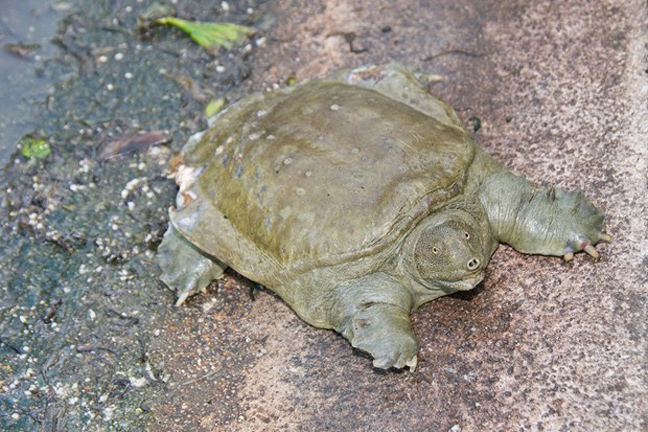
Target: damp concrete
[91,339]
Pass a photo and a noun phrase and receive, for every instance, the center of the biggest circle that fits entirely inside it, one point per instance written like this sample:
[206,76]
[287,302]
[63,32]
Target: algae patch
[34,147]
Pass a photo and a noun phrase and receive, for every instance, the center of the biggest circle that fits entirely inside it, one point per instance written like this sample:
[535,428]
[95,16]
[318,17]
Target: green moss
[34,147]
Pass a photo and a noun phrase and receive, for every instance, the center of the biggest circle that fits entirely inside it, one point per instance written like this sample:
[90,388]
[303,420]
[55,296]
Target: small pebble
[103,59]
[119,56]
[128,75]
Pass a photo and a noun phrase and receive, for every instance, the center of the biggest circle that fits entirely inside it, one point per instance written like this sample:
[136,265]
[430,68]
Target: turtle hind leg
[185,269]
[404,85]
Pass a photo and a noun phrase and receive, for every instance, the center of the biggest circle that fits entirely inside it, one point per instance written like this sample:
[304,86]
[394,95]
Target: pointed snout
[473,264]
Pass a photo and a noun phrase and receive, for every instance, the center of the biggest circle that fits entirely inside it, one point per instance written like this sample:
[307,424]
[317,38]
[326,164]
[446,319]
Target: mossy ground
[81,304]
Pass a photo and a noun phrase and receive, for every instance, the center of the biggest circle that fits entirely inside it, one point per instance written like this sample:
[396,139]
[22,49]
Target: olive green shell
[318,174]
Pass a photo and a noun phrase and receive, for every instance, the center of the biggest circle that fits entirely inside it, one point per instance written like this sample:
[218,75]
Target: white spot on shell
[355,150]
[335,107]
[270,137]
[254,136]
[285,212]
[308,173]
[300,191]
[287,161]
[261,113]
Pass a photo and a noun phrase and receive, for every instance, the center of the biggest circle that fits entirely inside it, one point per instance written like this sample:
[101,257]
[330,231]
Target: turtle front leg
[547,221]
[185,269]
[384,331]
[373,314]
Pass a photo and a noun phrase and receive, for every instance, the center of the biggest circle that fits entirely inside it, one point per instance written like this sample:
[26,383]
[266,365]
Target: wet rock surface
[89,336]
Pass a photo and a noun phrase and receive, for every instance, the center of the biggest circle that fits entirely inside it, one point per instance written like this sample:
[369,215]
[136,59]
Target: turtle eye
[435,250]
[466,235]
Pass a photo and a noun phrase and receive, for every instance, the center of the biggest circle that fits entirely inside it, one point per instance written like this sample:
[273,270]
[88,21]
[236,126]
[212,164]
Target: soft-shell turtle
[357,198]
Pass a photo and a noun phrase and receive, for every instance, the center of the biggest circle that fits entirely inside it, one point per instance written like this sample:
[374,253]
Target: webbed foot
[580,224]
[589,249]
[384,331]
[185,269]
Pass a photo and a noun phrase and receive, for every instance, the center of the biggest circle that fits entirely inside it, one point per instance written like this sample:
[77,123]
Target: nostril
[473,264]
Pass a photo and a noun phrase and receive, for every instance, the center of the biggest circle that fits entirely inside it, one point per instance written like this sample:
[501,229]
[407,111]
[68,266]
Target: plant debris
[214,106]
[211,35]
[133,143]
[152,13]
[34,147]
[21,49]
[189,85]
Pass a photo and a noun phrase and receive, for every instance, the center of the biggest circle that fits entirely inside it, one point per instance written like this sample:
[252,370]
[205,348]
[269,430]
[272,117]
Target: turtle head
[447,250]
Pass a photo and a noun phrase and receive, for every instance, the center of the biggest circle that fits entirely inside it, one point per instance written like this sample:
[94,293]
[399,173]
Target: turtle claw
[384,331]
[181,299]
[412,363]
[606,238]
[568,256]
[185,269]
[381,363]
[592,252]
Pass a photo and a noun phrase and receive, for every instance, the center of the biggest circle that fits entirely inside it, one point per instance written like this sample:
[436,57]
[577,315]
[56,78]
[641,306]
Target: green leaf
[214,106]
[210,35]
[33,147]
